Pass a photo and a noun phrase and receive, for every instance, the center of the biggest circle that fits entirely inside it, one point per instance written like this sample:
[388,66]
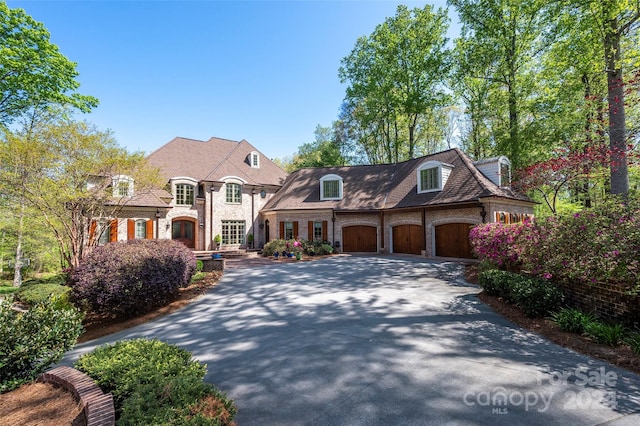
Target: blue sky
[264,71]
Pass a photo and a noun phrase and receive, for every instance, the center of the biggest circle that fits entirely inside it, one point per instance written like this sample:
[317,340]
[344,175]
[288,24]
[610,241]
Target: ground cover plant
[124,279]
[153,382]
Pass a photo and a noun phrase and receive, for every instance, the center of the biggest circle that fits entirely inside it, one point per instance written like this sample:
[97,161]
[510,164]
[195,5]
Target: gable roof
[388,186]
[213,160]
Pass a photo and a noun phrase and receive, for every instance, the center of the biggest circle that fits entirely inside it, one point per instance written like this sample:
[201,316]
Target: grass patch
[8,289]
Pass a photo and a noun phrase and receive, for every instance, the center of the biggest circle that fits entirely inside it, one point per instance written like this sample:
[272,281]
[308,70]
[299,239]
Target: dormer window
[122,186]
[505,172]
[331,188]
[497,169]
[254,160]
[432,176]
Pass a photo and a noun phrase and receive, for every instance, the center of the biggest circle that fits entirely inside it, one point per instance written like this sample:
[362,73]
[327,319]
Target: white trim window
[122,186]
[254,160]
[141,229]
[234,193]
[432,176]
[233,231]
[331,188]
[184,194]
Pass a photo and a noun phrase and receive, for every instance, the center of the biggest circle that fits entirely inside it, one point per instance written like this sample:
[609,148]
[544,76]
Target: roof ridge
[226,157]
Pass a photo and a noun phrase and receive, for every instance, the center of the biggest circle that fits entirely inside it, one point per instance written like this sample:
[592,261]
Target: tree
[501,40]
[323,152]
[33,72]
[64,170]
[395,79]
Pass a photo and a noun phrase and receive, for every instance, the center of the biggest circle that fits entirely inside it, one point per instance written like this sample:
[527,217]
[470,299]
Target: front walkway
[382,340]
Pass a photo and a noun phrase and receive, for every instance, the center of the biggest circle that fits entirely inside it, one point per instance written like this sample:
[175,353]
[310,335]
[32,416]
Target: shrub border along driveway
[382,340]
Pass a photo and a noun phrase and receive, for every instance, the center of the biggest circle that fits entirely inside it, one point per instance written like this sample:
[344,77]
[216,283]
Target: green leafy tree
[323,152]
[63,169]
[33,72]
[395,79]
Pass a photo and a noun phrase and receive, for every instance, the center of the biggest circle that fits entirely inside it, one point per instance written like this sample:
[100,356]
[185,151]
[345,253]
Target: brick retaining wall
[97,407]
[608,301]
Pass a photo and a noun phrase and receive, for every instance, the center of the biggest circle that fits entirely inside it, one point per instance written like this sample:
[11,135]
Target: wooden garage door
[360,239]
[452,240]
[408,239]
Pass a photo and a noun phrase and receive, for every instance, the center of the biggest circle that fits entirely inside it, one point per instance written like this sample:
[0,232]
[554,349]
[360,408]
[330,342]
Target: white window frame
[254,159]
[120,183]
[331,178]
[187,195]
[429,165]
[504,181]
[233,231]
[140,230]
[317,236]
[288,231]
[233,196]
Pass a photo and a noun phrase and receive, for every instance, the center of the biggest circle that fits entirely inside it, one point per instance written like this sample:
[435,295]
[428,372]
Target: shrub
[32,341]
[496,242]
[133,277]
[199,265]
[606,334]
[274,246]
[573,320]
[534,296]
[34,293]
[152,382]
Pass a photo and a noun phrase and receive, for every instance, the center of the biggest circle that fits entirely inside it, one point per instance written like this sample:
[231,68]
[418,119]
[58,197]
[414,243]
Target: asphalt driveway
[382,340]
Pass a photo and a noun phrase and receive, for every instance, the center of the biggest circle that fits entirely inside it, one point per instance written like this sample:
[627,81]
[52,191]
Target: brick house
[421,206]
[213,187]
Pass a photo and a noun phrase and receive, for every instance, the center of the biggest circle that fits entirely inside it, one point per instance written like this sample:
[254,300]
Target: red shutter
[131,229]
[113,230]
[149,229]
[295,230]
[92,232]
[324,231]
[310,232]
[282,230]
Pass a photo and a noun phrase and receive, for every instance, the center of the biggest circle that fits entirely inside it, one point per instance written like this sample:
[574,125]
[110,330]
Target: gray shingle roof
[389,186]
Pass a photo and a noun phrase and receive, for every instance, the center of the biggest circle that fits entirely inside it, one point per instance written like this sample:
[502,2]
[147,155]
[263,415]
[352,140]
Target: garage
[408,239]
[452,240]
[360,238]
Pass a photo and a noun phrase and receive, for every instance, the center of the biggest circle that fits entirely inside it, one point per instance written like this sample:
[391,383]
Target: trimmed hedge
[30,342]
[153,382]
[125,279]
[536,297]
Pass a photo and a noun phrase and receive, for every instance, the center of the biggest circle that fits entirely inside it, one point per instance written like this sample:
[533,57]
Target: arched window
[331,187]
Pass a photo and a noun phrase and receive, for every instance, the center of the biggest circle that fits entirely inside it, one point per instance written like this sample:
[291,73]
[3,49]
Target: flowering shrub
[497,243]
[131,278]
[596,246]
[310,248]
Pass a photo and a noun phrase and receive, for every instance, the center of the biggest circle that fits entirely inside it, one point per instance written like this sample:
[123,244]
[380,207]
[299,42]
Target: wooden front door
[408,239]
[184,231]
[360,238]
[452,240]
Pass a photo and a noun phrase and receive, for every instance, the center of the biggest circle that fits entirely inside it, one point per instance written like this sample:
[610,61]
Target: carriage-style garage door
[452,240]
[360,238]
[408,239]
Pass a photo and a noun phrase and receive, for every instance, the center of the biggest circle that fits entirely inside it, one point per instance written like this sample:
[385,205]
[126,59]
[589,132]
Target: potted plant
[250,240]
[217,239]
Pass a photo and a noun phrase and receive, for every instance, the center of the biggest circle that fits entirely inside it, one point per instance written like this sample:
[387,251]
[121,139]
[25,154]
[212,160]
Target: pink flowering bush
[596,246]
[497,243]
[126,279]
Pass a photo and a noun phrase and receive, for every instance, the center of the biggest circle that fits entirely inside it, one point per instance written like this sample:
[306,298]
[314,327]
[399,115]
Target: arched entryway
[184,230]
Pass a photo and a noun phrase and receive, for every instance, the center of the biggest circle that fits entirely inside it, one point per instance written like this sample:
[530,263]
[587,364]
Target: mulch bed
[621,356]
[41,404]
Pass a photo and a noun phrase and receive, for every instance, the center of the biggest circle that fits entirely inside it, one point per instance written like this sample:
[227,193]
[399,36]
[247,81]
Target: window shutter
[324,231]
[149,229]
[92,231]
[295,229]
[310,232]
[282,230]
[131,229]
[113,230]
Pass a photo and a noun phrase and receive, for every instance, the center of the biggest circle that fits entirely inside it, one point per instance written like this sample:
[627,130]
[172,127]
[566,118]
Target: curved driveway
[382,340]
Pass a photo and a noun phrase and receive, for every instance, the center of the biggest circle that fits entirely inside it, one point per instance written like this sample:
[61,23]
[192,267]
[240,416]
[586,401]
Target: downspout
[253,219]
[483,213]
[333,227]
[211,242]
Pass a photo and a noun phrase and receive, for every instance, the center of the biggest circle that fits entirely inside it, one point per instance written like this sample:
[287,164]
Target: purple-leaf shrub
[125,279]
